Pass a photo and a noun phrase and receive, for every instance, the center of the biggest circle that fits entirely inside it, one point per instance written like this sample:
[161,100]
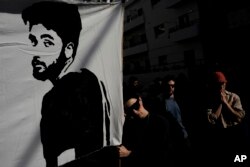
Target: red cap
[219,77]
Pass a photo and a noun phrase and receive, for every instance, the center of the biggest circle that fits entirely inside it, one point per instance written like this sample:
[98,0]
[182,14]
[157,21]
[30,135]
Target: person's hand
[123,151]
[223,97]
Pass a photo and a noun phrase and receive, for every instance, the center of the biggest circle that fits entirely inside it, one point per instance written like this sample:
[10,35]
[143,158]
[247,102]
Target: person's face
[220,87]
[136,83]
[47,48]
[130,105]
[171,87]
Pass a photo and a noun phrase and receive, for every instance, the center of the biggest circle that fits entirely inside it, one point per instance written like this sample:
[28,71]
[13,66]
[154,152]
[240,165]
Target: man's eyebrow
[47,36]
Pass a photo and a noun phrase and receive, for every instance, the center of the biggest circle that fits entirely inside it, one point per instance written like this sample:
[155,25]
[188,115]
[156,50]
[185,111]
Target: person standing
[145,136]
[166,105]
[225,115]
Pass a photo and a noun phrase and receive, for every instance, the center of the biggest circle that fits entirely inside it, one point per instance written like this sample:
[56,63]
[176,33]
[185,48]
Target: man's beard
[52,71]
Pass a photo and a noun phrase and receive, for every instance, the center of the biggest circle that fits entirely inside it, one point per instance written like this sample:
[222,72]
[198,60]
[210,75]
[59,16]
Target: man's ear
[69,49]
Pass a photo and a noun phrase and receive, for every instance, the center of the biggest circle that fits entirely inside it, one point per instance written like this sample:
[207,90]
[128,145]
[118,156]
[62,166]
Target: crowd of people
[172,124]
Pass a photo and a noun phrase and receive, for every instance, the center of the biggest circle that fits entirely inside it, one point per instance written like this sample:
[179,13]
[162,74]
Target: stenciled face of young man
[50,55]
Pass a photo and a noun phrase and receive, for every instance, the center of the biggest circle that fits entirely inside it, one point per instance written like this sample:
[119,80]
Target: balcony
[179,33]
[172,3]
[129,24]
[136,49]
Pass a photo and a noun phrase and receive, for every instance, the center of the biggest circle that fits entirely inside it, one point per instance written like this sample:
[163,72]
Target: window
[160,29]
[162,60]
[184,20]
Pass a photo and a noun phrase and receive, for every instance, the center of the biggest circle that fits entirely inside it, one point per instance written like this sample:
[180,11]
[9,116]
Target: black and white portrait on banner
[80,105]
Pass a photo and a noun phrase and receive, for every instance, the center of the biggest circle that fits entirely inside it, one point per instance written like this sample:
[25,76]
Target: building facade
[161,37]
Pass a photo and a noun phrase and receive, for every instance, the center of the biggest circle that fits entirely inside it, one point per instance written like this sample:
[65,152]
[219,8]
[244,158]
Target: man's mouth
[37,65]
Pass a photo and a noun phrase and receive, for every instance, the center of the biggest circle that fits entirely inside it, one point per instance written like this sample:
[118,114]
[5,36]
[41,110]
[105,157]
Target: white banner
[50,105]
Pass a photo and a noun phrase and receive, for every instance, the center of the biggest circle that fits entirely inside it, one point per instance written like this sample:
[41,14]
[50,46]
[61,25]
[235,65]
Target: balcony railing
[182,26]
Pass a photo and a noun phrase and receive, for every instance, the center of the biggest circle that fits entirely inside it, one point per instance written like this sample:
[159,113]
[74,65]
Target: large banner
[60,81]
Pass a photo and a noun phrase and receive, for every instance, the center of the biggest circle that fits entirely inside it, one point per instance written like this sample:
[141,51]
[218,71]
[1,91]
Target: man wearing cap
[227,110]
[225,115]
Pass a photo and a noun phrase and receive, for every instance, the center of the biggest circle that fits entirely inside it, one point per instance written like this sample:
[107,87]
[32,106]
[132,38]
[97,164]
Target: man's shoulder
[83,78]
[160,119]
[232,94]
[85,71]
[84,74]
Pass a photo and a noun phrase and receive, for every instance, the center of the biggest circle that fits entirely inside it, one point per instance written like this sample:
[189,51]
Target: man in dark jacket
[145,137]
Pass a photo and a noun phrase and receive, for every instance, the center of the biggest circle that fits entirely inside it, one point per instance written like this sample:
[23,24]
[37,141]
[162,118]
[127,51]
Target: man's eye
[33,43]
[48,43]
